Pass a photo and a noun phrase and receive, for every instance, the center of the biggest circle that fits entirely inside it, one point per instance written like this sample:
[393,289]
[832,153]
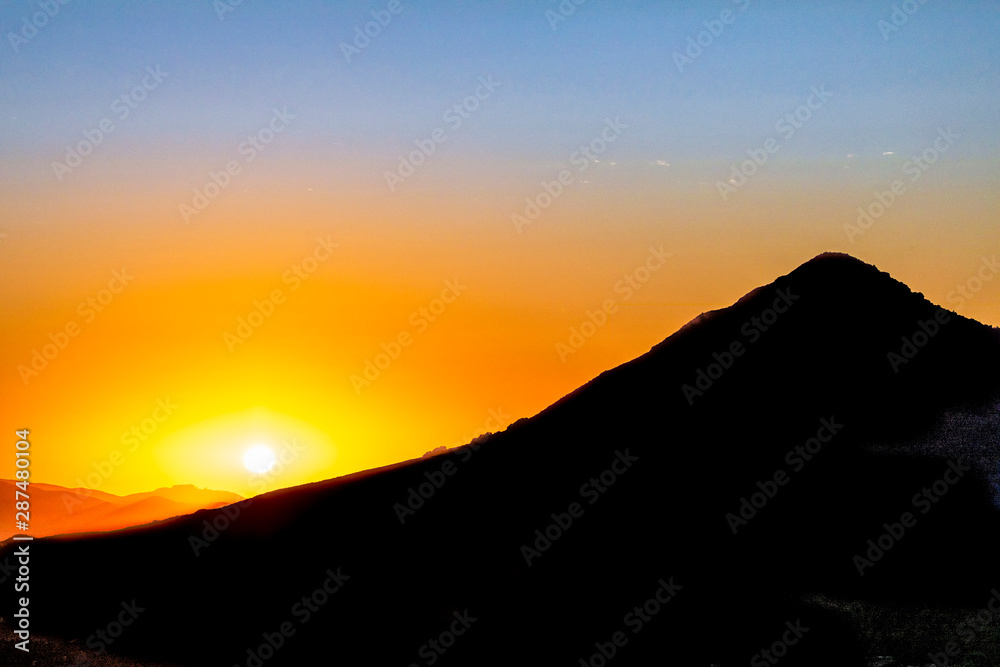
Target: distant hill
[57,510]
[696,506]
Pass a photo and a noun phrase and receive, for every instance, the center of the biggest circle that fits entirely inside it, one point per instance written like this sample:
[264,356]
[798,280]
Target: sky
[236,224]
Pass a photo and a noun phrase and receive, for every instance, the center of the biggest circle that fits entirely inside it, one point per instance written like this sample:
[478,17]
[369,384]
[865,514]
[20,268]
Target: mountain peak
[831,256]
[829,378]
[840,266]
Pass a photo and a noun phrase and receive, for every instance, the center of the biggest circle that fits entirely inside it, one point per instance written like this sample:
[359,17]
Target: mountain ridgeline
[764,479]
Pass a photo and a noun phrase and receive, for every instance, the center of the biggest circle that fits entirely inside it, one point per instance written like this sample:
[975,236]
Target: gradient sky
[490,355]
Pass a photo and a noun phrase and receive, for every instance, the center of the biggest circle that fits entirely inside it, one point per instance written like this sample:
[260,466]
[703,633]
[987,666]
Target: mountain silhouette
[58,510]
[727,493]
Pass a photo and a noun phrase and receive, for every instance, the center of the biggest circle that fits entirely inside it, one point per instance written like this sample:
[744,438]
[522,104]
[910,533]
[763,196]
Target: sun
[259,459]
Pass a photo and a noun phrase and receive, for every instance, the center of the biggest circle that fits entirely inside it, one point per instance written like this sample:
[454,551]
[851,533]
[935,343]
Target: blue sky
[605,59]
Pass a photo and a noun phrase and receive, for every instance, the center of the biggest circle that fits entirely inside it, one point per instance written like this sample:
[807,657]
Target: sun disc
[259,459]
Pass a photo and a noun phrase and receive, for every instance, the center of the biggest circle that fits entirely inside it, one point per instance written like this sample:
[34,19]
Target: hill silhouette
[59,510]
[700,504]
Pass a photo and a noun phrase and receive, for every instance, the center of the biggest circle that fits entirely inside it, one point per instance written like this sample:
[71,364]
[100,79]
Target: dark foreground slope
[651,473]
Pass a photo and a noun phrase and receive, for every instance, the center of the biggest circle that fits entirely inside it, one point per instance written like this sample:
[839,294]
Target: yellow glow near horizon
[493,349]
[214,453]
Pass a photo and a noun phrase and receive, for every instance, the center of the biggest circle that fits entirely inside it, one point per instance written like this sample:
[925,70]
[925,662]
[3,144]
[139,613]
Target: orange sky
[491,351]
